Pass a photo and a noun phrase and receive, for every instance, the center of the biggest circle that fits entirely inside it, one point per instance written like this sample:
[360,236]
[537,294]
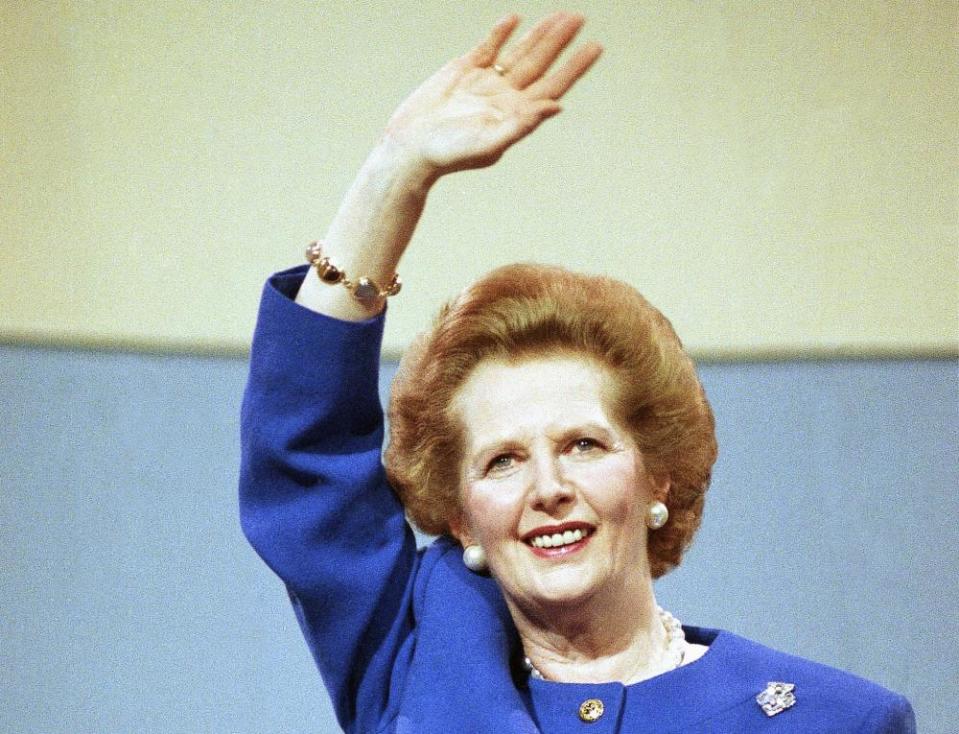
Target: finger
[530,39]
[559,82]
[531,66]
[486,51]
[550,109]
[534,116]
[545,110]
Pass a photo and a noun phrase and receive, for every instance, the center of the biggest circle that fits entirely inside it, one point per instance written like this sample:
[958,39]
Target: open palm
[475,107]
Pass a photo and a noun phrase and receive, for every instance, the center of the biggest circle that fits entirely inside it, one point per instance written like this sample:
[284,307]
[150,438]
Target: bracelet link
[363,289]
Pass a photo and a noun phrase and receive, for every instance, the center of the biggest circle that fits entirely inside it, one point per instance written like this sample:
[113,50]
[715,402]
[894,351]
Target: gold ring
[501,70]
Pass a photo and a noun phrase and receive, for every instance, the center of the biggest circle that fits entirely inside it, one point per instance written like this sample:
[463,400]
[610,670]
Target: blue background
[131,602]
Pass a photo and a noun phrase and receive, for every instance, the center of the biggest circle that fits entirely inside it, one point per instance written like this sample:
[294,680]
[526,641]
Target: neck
[597,641]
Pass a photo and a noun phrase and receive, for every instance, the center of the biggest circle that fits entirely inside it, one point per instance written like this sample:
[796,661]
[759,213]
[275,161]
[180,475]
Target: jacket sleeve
[314,501]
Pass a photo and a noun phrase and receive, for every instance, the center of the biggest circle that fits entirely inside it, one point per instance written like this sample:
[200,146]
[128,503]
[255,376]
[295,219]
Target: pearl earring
[656,515]
[474,558]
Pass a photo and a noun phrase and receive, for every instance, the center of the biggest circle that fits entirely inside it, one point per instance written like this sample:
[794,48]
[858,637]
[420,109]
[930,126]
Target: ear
[661,487]
[459,530]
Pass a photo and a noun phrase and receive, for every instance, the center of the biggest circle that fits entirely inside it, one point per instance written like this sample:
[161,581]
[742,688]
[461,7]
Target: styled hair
[527,311]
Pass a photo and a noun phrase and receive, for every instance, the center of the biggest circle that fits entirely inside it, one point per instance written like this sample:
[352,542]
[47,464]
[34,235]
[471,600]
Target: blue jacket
[410,642]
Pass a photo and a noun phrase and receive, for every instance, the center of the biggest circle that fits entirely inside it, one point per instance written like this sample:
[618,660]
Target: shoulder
[840,700]
[445,583]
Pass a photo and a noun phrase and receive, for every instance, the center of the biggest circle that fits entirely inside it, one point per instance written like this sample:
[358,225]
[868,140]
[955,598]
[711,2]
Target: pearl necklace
[675,645]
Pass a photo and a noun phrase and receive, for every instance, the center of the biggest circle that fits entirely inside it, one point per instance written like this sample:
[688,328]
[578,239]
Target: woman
[548,427]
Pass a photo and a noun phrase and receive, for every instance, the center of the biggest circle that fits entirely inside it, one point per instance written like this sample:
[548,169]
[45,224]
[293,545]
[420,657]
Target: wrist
[403,165]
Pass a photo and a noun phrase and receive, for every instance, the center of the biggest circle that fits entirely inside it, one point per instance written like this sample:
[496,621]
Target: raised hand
[478,105]
[464,116]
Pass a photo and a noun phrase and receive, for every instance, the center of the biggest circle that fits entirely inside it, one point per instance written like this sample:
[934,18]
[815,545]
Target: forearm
[371,229]
[464,116]
[311,440]
[314,500]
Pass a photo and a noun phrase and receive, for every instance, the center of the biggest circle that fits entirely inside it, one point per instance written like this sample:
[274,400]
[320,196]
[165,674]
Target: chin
[568,587]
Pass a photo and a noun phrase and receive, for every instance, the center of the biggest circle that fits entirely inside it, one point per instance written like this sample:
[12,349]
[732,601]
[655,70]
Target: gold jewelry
[363,289]
[501,70]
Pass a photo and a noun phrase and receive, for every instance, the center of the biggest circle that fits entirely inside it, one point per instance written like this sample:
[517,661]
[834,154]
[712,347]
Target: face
[553,488]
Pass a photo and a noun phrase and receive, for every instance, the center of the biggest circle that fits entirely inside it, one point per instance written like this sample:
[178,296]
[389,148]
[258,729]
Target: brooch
[776,697]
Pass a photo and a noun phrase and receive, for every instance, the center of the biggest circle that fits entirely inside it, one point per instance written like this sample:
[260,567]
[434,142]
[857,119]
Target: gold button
[590,710]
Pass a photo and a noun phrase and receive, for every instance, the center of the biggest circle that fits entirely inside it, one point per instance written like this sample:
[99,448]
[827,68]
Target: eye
[500,463]
[584,444]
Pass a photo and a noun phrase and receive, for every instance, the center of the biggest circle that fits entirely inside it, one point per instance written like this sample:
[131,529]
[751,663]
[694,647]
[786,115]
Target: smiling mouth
[560,540]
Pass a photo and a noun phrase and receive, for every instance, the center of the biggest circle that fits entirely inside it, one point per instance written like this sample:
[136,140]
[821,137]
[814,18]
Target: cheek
[616,490]
[490,510]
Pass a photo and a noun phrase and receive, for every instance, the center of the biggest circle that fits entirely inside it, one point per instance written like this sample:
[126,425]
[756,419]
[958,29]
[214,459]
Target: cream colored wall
[778,177]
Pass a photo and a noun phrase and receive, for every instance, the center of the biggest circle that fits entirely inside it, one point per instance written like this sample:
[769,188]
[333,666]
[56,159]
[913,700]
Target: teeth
[557,539]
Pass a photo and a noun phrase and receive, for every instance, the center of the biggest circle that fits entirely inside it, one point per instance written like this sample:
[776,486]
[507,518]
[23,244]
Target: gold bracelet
[363,289]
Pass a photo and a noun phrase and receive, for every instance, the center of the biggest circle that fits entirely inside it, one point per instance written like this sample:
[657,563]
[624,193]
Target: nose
[550,490]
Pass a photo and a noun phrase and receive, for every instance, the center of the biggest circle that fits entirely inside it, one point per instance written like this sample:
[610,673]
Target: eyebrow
[563,434]
[494,446]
